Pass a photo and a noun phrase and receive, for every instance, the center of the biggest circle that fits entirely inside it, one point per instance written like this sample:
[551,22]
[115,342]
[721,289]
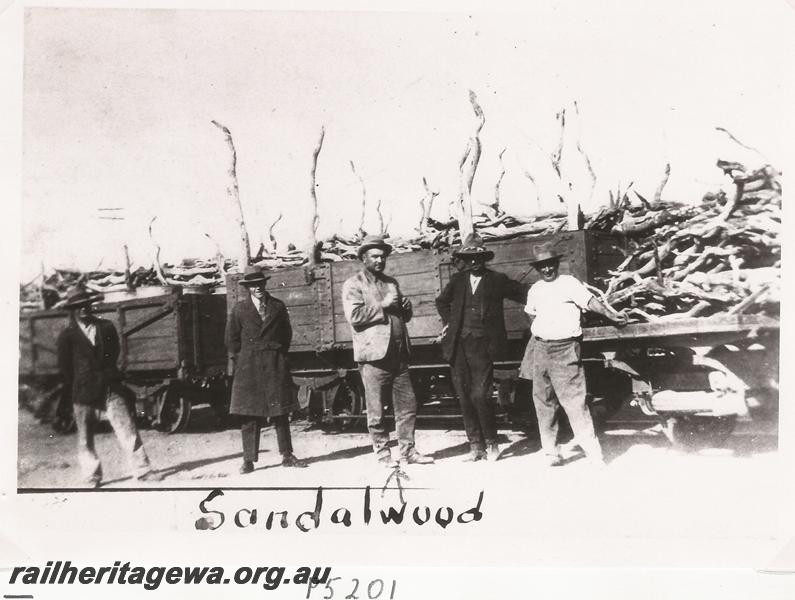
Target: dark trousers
[473,373]
[250,432]
[559,381]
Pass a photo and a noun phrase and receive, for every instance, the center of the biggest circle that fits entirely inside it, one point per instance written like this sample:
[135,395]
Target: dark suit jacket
[88,371]
[262,385]
[496,287]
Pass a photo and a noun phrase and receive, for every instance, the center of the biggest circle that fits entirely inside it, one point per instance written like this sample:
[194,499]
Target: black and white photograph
[439,300]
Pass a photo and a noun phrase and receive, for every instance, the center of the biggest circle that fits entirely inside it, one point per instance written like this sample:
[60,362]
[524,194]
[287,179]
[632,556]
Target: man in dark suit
[473,337]
[87,353]
[258,336]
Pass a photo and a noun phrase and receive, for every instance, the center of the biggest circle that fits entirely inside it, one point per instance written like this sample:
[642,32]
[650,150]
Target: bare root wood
[314,252]
[467,167]
[364,199]
[426,204]
[380,215]
[127,270]
[735,140]
[220,261]
[587,160]
[538,191]
[234,192]
[271,236]
[658,192]
[557,156]
[158,268]
[495,206]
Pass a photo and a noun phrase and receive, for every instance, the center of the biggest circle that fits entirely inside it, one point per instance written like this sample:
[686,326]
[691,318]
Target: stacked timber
[682,260]
[723,255]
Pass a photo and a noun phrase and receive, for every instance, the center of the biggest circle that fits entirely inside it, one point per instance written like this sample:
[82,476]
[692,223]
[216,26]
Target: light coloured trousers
[559,381]
[126,433]
[379,385]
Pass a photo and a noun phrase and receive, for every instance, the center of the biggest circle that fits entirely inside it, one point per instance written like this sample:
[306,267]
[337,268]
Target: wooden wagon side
[170,352]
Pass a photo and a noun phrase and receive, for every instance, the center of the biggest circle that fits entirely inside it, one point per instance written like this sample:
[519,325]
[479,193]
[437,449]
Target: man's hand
[390,300]
[405,304]
[230,366]
[444,330]
[620,318]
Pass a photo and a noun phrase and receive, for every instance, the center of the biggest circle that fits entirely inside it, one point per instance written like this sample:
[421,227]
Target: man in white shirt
[556,303]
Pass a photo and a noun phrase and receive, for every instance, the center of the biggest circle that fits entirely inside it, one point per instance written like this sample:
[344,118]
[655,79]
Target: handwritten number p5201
[352,595]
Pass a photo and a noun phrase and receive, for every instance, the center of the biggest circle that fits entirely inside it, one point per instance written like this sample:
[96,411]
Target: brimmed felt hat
[543,253]
[473,247]
[373,241]
[253,275]
[79,297]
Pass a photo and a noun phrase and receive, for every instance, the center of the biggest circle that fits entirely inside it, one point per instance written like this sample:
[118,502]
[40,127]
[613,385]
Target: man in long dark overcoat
[471,308]
[88,350]
[258,336]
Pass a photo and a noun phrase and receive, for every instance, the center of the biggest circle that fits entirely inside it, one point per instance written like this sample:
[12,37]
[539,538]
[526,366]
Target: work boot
[246,467]
[415,458]
[150,476]
[291,460]
[385,460]
[475,455]
[492,452]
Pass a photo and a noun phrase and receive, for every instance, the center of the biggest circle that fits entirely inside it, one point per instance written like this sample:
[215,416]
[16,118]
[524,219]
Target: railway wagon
[172,353]
[694,374]
[321,353]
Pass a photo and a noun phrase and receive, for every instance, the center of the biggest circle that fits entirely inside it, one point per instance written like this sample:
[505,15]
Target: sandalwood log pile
[50,290]
[723,255]
[682,260]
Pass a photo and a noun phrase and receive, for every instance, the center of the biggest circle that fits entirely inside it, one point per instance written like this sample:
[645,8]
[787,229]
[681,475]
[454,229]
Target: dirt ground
[207,457]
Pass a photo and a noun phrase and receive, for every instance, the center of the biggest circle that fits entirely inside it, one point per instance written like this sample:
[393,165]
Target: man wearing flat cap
[87,353]
[552,360]
[258,336]
[471,308]
[377,314]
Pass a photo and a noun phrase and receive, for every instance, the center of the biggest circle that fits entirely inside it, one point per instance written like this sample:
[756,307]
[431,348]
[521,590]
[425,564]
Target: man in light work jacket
[471,307]
[556,302]
[258,336]
[377,314]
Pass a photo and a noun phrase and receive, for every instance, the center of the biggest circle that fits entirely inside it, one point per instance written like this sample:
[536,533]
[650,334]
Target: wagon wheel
[348,405]
[173,410]
[697,431]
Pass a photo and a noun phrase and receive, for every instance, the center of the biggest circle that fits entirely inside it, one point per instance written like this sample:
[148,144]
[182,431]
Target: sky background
[118,104]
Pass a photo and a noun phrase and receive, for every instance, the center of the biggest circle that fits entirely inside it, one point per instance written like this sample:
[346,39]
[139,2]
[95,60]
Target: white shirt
[90,330]
[260,305]
[474,280]
[557,306]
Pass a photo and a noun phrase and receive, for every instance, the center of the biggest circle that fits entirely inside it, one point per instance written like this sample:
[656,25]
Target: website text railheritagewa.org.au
[65,573]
